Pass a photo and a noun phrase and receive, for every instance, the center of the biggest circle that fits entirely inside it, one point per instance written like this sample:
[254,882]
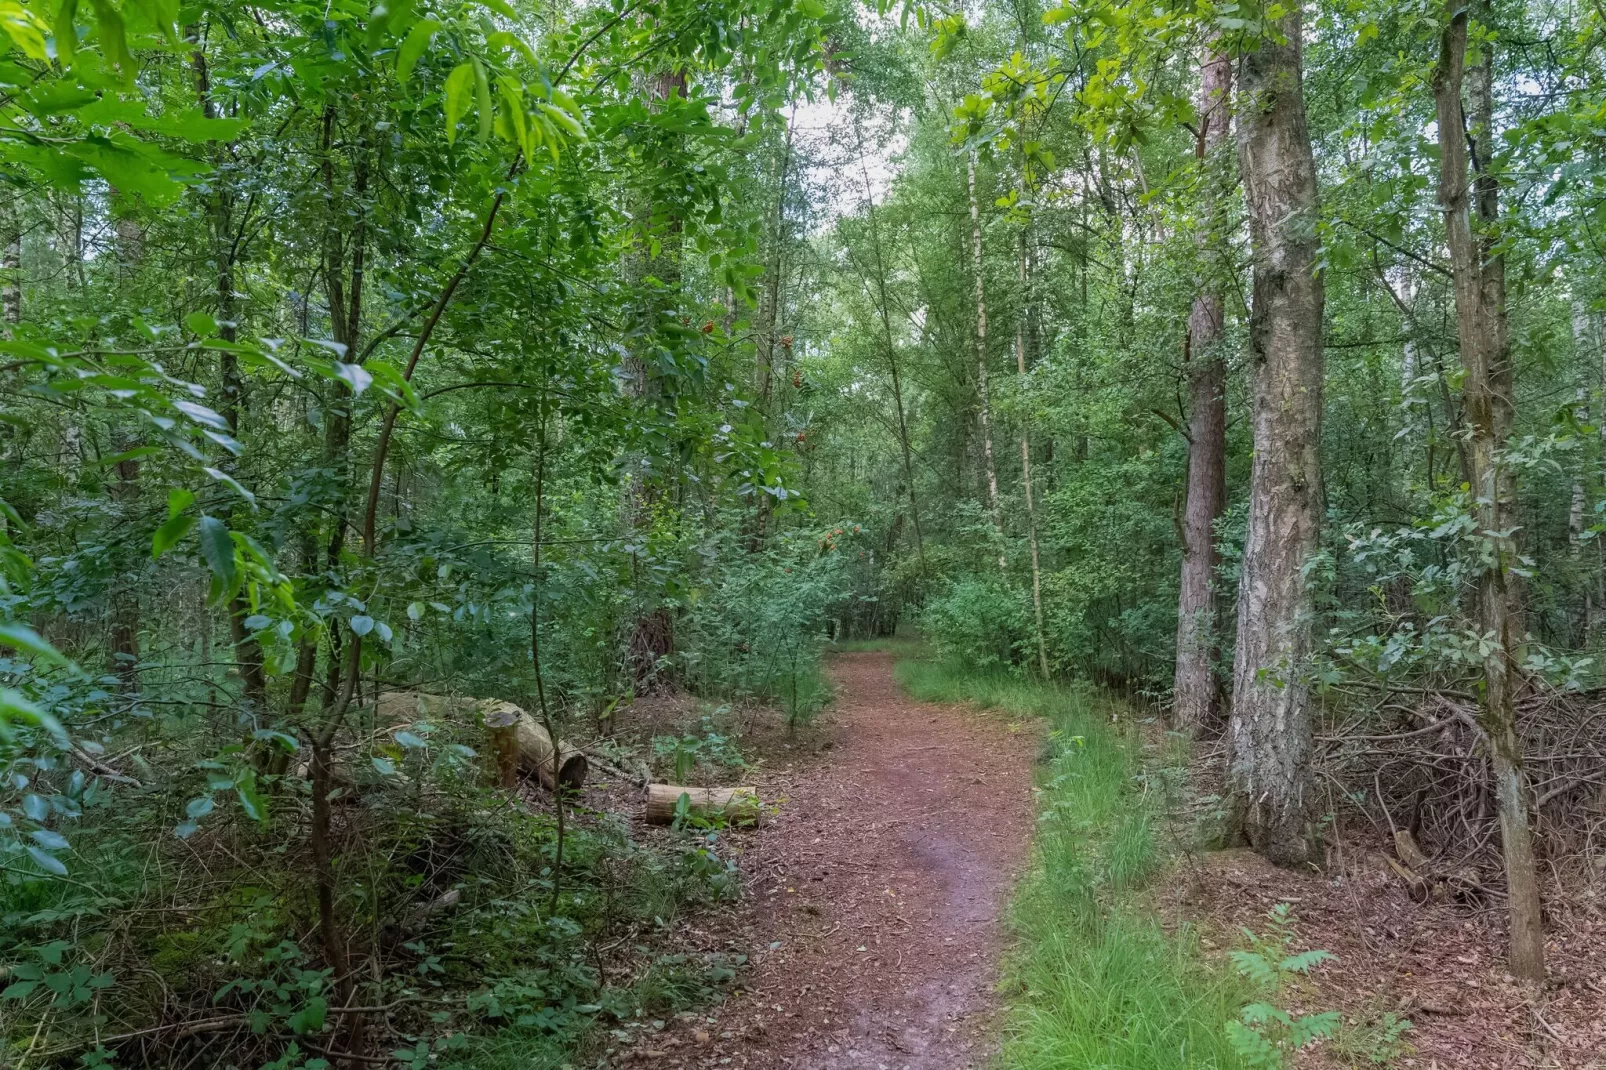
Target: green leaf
[457,87]
[47,862]
[201,324]
[170,533]
[501,7]
[354,376]
[14,707]
[418,39]
[50,840]
[564,120]
[19,990]
[230,482]
[310,1018]
[217,550]
[28,641]
[66,32]
[482,99]
[1305,961]
[113,34]
[178,500]
[282,740]
[251,800]
[1313,1027]
[26,30]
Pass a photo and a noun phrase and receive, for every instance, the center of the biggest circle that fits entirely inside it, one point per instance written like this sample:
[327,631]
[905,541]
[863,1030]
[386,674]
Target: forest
[572,534]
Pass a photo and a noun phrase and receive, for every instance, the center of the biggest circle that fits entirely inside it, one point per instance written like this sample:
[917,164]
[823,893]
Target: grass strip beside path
[1094,980]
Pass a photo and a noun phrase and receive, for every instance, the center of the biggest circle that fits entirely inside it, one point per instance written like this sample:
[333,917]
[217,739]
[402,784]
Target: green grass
[906,646]
[1094,980]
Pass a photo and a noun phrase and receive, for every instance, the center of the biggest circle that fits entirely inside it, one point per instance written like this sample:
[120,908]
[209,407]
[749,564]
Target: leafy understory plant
[1265,1035]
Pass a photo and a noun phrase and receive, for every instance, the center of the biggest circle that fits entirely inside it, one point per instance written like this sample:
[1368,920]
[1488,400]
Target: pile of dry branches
[1417,762]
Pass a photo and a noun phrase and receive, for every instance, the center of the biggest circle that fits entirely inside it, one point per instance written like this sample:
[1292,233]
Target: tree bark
[1021,323]
[10,266]
[1197,688]
[983,393]
[1270,728]
[125,594]
[1478,270]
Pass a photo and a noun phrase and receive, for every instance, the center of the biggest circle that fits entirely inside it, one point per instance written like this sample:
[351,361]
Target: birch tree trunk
[1478,270]
[1197,688]
[983,394]
[1270,730]
[885,315]
[10,266]
[1027,307]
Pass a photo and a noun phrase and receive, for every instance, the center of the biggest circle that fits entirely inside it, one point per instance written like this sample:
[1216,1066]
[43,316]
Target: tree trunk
[1478,270]
[10,266]
[892,353]
[1270,729]
[1021,323]
[125,592]
[652,630]
[247,654]
[1197,688]
[983,394]
[768,325]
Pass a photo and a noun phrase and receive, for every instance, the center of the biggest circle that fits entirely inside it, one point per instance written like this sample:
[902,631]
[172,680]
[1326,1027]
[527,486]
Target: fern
[1265,1034]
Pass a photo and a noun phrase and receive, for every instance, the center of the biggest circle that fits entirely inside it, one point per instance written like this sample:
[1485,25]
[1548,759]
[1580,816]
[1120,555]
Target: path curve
[877,890]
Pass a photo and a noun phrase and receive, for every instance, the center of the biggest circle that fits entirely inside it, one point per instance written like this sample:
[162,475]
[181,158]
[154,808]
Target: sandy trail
[876,893]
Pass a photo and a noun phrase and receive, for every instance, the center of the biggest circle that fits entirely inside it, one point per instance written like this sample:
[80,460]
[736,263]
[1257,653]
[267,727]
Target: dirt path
[875,894]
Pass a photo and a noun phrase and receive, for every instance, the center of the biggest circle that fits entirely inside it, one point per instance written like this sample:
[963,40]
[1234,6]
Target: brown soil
[873,896]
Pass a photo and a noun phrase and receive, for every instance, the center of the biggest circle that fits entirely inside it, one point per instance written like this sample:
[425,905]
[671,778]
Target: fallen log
[736,805]
[514,732]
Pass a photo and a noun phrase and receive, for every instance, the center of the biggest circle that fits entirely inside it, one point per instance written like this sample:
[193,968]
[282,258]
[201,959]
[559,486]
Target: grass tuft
[1094,979]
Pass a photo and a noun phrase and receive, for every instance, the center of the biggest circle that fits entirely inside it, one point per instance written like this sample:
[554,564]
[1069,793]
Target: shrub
[982,623]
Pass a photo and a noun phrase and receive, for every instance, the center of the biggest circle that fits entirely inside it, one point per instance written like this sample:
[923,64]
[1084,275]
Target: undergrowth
[1094,979]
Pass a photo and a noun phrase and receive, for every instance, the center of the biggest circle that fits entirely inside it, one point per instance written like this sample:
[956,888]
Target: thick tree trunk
[1197,688]
[1270,729]
[1478,270]
[1021,327]
[983,394]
